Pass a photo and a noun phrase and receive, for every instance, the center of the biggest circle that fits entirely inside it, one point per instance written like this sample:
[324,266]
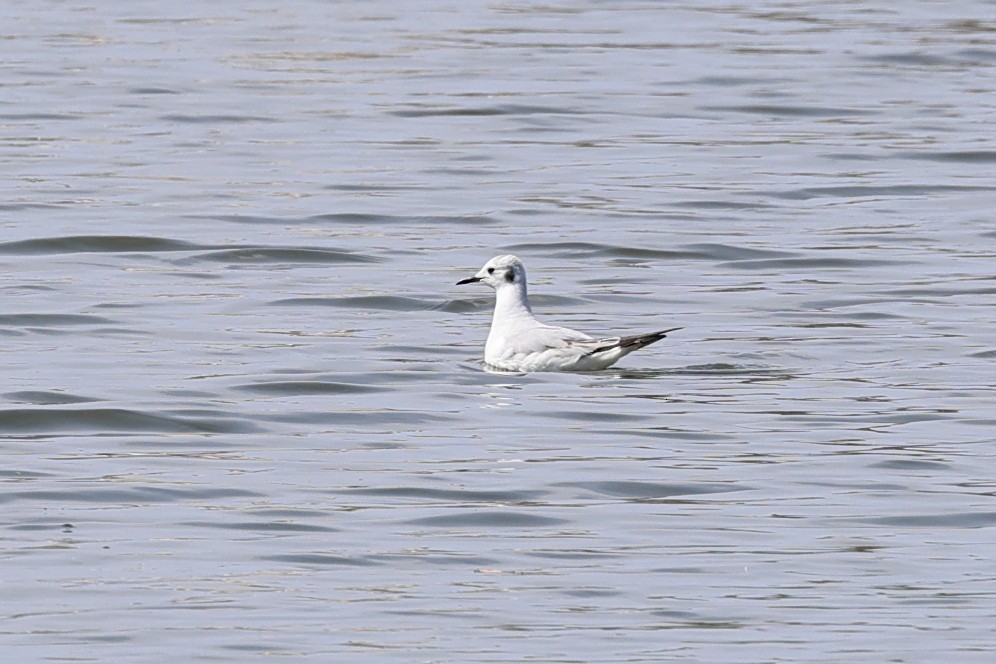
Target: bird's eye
[491,270]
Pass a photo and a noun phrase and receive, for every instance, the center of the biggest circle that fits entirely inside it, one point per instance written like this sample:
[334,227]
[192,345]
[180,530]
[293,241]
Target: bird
[520,343]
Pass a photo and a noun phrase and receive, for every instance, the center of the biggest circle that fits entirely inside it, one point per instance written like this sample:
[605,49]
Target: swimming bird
[519,342]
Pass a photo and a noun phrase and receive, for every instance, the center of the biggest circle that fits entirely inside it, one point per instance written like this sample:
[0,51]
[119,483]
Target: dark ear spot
[510,276]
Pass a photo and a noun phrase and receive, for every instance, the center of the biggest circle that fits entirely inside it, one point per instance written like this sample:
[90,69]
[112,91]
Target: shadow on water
[621,373]
[717,369]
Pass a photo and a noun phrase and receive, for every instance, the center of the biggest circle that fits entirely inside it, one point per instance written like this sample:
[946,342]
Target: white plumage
[519,342]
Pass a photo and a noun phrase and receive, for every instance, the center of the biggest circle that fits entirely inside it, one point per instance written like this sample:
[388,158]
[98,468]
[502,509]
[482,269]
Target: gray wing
[547,337]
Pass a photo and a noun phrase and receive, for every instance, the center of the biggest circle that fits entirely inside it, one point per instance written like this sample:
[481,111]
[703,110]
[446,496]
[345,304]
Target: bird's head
[500,272]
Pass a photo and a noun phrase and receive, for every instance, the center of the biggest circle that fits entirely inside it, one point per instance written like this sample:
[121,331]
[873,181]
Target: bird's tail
[637,341]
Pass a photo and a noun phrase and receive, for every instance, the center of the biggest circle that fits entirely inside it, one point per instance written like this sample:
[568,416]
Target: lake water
[244,414]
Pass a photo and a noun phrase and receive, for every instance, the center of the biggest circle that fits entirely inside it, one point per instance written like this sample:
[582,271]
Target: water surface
[243,409]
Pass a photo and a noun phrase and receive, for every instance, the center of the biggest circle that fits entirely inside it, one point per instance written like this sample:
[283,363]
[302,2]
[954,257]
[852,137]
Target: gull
[519,342]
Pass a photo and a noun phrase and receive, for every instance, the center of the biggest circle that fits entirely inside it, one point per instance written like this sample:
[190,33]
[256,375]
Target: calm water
[243,410]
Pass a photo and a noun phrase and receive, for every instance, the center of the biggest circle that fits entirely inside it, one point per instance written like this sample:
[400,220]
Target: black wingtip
[654,335]
[641,340]
[638,341]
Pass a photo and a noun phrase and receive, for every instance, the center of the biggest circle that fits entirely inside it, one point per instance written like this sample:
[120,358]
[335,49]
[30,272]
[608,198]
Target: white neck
[511,303]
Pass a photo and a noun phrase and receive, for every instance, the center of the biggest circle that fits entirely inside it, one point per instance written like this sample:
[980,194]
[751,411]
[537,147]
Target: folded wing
[547,337]
[549,348]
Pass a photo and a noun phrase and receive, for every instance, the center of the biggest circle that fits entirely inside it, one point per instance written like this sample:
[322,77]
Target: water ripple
[382,302]
[262,526]
[956,156]
[356,218]
[787,110]
[51,421]
[651,490]
[477,111]
[800,263]
[941,521]
[45,398]
[305,387]
[875,191]
[321,559]
[283,255]
[34,321]
[487,519]
[75,244]
[126,495]
[216,118]
[458,496]
[237,254]
[697,251]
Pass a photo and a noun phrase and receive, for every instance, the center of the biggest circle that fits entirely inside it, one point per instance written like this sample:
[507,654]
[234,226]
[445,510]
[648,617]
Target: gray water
[244,414]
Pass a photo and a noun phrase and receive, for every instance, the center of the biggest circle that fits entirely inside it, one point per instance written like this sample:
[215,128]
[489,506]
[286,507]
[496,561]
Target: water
[244,414]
